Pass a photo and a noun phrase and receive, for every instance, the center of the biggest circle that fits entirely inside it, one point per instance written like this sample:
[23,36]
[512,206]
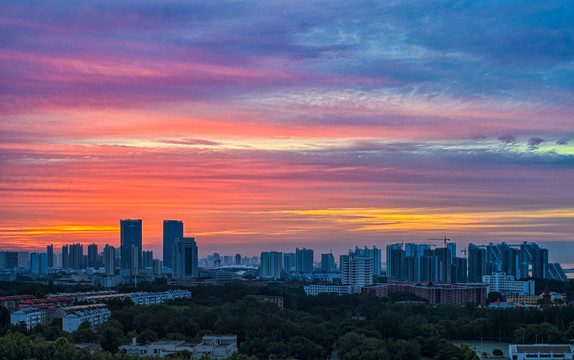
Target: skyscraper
[50,255]
[172,229]
[65,257]
[130,235]
[110,259]
[185,262]
[304,258]
[93,256]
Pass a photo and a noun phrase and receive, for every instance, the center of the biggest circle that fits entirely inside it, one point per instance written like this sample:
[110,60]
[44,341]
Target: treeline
[312,327]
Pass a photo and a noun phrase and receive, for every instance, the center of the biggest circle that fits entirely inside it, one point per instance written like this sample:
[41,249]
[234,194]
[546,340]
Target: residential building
[76,252]
[373,253]
[93,258]
[435,294]
[110,259]
[356,269]
[147,259]
[304,260]
[96,317]
[31,317]
[184,258]
[271,265]
[172,229]
[289,262]
[476,263]
[150,298]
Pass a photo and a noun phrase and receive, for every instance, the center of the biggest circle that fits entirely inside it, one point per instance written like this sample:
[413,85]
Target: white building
[540,352]
[214,346]
[96,317]
[29,316]
[506,285]
[328,289]
[147,298]
[356,270]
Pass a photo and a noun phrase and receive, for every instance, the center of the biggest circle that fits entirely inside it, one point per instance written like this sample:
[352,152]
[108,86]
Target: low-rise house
[214,346]
[541,352]
[96,317]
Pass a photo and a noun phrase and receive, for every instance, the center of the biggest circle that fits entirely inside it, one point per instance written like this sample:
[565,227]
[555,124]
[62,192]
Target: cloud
[189,142]
[507,139]
[535,141]
[562,142]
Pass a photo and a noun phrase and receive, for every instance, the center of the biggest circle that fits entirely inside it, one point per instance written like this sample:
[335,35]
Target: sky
[271,125]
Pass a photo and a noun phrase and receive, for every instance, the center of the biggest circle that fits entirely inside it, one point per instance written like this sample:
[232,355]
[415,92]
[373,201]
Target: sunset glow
[325,125]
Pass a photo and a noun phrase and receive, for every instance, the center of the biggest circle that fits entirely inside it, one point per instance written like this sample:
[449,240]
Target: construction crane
[445,239]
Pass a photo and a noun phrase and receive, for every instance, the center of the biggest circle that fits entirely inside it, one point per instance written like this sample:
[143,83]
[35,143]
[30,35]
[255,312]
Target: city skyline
[277,126]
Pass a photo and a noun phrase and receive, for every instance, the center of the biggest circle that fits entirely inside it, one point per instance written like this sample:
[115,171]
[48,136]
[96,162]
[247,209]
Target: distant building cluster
[501,268]
[420,262]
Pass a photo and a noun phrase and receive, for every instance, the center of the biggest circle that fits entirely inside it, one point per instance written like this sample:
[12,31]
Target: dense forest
[309,327]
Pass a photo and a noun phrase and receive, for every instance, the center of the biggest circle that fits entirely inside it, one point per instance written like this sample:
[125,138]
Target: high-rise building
[77,256]
[135,260]
[373,253]
[555,272]
[304,259]
[110,259]
[185,261]
[328,263]
[130,236]
[271,265]
[476,263]
[50,255]
[356,269]
[93,256]
[289,262]
[395,255]
[237,259]
[147,259]
[65,257]
[38,263]
[172,229]
[533,261]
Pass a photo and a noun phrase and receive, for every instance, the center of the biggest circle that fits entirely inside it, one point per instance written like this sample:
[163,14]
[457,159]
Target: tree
[110,339]
[14,346]
[497,352]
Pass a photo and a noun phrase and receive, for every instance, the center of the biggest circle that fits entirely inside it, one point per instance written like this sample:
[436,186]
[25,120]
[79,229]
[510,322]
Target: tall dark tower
[130,235]
[50,255]
[172,229]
